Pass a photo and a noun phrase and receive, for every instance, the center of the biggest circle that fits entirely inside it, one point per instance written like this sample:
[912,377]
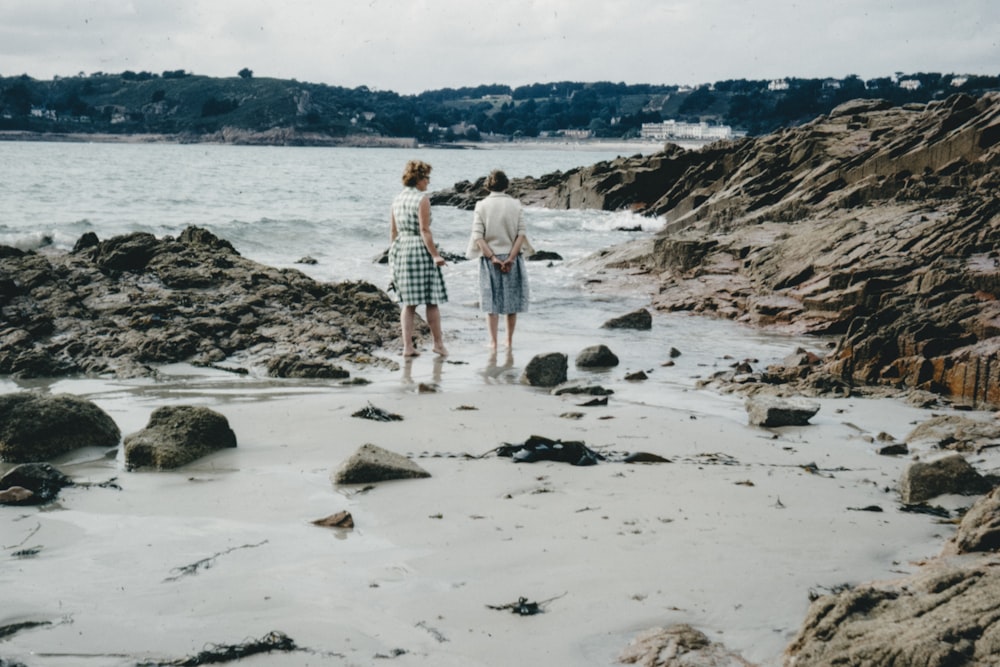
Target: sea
[281,205]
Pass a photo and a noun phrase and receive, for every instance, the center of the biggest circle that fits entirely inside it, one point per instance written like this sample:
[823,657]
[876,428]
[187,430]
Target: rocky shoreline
[875,224]
[279,136]
[121,306]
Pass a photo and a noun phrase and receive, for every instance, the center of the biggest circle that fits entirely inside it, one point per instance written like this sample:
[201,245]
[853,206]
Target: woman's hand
[438,260]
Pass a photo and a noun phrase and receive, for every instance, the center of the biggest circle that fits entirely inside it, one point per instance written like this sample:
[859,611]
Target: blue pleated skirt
[503,293]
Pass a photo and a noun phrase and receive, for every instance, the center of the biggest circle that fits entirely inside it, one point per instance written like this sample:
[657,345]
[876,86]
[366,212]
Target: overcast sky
[417,45]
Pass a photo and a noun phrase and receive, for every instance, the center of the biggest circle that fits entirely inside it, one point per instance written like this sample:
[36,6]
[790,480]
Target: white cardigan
[499,220]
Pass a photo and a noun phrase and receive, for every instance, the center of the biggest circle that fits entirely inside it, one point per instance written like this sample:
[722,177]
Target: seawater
[278,205]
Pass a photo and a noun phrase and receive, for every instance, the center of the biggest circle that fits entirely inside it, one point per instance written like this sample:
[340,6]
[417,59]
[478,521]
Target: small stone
[42,480]
[640,319]
[371,463]
[16,495]
[341,519]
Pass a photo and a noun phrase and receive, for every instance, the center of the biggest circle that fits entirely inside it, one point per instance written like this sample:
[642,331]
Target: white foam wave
[27,240]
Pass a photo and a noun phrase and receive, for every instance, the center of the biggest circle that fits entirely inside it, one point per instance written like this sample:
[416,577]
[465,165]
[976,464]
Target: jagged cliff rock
[875,224]
[943,615]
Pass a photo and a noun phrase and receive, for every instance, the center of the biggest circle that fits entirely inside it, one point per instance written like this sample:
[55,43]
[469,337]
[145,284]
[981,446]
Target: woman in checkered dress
[414,259]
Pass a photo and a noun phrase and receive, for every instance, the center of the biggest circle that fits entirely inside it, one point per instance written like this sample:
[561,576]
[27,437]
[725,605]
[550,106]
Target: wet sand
[730,536]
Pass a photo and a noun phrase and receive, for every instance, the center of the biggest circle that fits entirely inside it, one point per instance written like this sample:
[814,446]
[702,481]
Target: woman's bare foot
[410,353]
[440,349]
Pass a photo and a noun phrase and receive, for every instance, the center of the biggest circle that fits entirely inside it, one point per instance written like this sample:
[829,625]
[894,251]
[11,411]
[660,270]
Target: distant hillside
[245,108]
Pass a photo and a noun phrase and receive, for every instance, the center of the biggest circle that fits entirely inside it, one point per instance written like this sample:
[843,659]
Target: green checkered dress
[417,279]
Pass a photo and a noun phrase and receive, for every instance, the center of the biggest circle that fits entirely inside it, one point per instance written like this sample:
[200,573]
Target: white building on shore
[671,129]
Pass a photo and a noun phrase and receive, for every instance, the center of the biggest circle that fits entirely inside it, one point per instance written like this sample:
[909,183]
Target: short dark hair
[497,181]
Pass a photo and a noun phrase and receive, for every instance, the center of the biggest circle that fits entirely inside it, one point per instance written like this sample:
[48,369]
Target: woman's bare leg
[511,321]
[434,322]
[406,316]
[492,322]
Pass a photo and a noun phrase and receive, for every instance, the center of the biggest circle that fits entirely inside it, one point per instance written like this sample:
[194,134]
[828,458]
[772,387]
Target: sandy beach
[730,536]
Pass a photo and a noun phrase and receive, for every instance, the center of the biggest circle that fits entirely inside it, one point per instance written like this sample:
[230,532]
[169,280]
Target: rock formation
[924,480]
[39,427]
[38,483]
[979,530]
[875,224]
[943,615]
[771,411]
[678,646]
[371,464]
[177,435]
[120,306]
[596,356]
[641,320]
[546,370]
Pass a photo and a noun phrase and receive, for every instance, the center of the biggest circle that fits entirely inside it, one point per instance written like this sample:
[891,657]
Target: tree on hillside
[72,104]
[802,102]
[129,75]
[851,88]
[246,73]
[216,107]
[697,102]
[17,99]
[751,112]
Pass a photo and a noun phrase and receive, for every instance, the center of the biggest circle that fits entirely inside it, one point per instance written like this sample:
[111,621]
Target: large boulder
[944,615]
[371,464]
[546,370]
[678,646]
[640,319]
[176,436]
[980,527]
[765,410]
[924,480]
[596,356]
[39,427]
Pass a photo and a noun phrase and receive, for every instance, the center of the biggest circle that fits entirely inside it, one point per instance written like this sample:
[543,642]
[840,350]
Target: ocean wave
[27,240]
[589,220]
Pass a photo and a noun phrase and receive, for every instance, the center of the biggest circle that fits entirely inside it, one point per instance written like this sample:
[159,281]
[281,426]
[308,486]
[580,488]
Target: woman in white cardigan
[499,238]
